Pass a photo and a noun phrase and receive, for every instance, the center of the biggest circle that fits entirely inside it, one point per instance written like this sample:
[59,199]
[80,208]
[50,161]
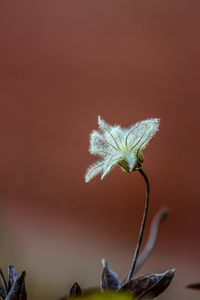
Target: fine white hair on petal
[105,172]
[141,133]
[131,160]
[94,170]
[117,145]
[99,145]
[118,134]
[103,125]
[108,133]
[110,163]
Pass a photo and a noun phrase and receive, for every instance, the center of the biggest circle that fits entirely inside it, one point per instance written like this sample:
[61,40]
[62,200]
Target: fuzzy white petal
[99,145]
[109,133]
[110,163]
[131,160]
[141,133]
[103,125]
[94,170]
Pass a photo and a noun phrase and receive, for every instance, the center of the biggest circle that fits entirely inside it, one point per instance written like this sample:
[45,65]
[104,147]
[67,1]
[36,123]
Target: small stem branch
[132,268]
[155,225]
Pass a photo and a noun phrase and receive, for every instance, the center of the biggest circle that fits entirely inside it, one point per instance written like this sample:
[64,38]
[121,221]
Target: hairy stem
[133,264]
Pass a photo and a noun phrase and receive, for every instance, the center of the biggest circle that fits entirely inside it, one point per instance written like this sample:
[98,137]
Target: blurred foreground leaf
[15,289]
[12,276]
[18,291]
[106,296]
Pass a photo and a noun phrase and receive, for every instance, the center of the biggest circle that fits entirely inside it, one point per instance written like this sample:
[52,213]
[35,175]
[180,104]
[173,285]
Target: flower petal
[110,163]
[109,133]
[94,170]
[99,145]
[131,160]
[103,125]
[140,134]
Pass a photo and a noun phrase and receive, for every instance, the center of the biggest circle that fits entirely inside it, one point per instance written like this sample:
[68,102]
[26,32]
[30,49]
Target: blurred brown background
[63,63]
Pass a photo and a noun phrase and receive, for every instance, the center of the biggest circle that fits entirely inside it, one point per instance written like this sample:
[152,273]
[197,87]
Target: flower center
[126,150]
[124,165]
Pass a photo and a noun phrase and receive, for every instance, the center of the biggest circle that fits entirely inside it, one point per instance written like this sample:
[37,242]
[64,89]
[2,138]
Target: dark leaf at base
[109,279]
[18,291]
[12,276]
[2,292]
[148,286]
[75,290]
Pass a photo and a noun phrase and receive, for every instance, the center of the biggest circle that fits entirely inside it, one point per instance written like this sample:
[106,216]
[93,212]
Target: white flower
[119,146]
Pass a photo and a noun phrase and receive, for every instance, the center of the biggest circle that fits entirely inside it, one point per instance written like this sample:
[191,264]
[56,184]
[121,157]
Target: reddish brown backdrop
[63,63]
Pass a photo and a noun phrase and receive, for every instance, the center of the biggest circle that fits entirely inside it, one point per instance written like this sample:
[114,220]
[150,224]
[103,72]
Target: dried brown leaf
[12,276]
[148,286]
[3,292]
[23,295]
[75,290]
[3,280]
[109,279]
[17,291]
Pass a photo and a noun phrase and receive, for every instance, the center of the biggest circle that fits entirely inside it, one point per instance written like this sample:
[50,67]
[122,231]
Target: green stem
[132,268]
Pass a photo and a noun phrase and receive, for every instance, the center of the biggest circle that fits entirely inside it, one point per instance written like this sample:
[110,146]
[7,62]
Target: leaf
[12,276]
[17,291]
[75,290]
[194,286]
[148,286]
[3,292]
[3,281]
[23,295]
[109,279]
